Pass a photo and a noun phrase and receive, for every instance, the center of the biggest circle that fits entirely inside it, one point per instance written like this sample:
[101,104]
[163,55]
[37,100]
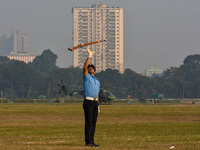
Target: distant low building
[25,57]
[153,71]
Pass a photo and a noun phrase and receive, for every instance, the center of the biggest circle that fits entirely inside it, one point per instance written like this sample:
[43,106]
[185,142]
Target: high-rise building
[16,43]
[16,47]
[6,45]
[20,42]
[94,23]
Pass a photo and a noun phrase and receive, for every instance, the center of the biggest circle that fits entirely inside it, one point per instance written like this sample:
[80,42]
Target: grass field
[134,127]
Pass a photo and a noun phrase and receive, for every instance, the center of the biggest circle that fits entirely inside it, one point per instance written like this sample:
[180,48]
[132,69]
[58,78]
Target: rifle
[85,44]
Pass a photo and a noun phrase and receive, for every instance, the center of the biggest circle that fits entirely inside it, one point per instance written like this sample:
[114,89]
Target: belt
[90,98]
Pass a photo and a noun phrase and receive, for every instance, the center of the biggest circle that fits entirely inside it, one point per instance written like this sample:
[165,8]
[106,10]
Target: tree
[4,60]
[112,80]
[15,79]
[45,62]
[192,59]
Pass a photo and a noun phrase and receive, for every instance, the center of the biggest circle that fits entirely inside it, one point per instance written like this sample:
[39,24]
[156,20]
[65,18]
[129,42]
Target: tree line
[40,77]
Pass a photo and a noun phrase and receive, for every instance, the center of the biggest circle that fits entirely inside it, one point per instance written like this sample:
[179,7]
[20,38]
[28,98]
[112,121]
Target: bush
[23,101]
[4,100]
[74,101]
[42,100]
[171,101]
[123,101]
[142,100]
[70,98]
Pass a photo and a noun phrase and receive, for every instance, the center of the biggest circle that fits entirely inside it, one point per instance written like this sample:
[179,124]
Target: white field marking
[171,147]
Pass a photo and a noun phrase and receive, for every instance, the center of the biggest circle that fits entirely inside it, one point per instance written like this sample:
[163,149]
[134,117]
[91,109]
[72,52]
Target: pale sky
[157,33]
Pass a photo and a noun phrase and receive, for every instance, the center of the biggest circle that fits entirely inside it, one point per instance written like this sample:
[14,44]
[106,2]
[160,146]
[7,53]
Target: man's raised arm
[85,67]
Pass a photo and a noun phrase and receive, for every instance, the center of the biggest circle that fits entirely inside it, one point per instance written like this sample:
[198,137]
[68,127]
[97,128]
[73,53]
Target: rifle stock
[85,44]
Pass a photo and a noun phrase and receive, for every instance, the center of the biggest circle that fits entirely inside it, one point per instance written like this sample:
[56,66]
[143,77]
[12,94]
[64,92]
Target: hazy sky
[157,33]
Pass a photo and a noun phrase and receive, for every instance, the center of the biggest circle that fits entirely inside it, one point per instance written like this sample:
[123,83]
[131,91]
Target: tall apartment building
[94,23]
[15,43]
[16,46]
[20,42]
[6,45]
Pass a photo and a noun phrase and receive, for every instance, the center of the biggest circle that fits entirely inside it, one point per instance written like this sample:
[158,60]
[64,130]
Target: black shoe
[95,145]
[89,144]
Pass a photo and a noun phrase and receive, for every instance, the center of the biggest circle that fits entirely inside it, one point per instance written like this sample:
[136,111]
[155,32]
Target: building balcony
[83,35]
[110,59]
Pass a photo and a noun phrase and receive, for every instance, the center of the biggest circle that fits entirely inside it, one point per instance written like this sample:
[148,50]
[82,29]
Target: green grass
[134,127]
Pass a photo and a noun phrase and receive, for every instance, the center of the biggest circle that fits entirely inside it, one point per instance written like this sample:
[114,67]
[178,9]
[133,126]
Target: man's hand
[90,53]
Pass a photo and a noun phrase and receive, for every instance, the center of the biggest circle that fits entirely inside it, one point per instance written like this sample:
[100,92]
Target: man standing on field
[91,100]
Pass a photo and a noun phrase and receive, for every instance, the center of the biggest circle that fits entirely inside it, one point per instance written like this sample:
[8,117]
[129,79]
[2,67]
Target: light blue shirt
[91,86]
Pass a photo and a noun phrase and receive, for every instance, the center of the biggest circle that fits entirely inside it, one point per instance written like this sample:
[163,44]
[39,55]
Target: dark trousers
[91,113]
